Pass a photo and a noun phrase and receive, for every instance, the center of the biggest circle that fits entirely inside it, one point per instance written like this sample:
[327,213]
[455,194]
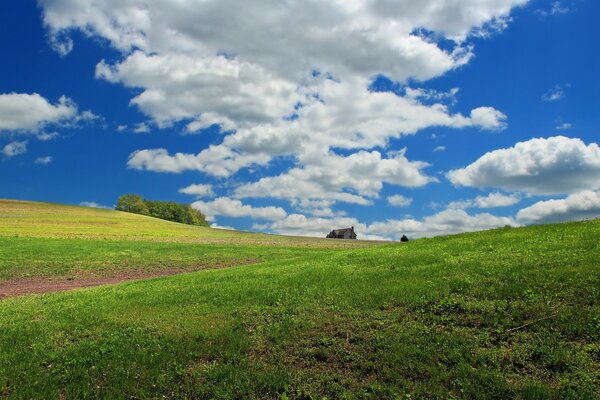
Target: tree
[167,210]
[132,203]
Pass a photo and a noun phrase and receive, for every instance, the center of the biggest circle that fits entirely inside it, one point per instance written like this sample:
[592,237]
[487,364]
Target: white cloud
[557,8]
[317,208]
[554,94]
[43,160]
[439,149]
[15,148]
[564,126]
[488,118]
[492,200]
[200,190]
[31,112]
[94,205]
[345,114]
[141,128]
[290,80]
[556,165]
[399,200]
[432,95]
[300,225]
[227,207]
[217,226]
[578,206]
[444,223]
[291,38]
[62,44]
[47,136]
[209,90]
[352,179]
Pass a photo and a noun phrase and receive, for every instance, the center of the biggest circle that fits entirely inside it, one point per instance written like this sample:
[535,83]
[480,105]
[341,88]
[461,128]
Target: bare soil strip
[25,286]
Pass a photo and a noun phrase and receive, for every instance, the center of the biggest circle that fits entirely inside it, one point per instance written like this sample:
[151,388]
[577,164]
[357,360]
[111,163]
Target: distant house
[346,233]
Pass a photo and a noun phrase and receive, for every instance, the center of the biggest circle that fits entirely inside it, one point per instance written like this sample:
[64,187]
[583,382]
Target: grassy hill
[507,313]
[49,220]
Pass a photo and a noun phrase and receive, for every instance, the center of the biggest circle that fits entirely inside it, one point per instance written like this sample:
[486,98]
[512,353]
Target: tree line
[168,210]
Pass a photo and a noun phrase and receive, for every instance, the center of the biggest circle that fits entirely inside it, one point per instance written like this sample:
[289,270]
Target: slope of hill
[47,247]
[508,313]
[35,219]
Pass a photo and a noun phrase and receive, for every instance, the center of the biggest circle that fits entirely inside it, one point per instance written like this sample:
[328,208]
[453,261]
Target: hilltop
[49,220]
[506,313]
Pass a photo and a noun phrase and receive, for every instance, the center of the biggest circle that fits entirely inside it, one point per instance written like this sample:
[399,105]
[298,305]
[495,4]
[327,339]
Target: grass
[508,313]
[48,220]
[22,257]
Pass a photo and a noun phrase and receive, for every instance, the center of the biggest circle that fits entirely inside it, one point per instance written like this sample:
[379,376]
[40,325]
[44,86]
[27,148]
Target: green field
[507,313]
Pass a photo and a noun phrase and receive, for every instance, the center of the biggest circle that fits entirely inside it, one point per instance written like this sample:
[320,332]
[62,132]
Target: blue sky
[297,118]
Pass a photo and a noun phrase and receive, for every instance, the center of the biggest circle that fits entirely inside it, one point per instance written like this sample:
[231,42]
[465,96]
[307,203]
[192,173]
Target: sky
[298,117]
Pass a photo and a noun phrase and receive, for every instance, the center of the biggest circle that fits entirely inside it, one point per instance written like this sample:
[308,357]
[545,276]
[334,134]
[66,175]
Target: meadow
[501,314]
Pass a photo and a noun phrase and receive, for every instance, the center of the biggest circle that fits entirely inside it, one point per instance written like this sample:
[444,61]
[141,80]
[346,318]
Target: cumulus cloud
[15,148]
[227,207]
[30,112]
[345,114]
[141,128]
[399,201]
[444,223]
[449,221]
[209,91]
[317,208]
[309,34]
[217,226]
[556,165]
[291,80]
[43,160]
[488,118]
[353,179]
[300,225]
[578,206]
[93,204]
[199,190]
[492,200]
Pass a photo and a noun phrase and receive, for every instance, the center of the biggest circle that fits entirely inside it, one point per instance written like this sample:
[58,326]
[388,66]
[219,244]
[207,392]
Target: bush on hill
[167,210]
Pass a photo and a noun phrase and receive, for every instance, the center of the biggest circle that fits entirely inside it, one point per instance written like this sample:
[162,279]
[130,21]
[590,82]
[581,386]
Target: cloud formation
[30,112]
[300,225]
[542,166]
[288,81]
[399,201]
[199,190]
[227,207]
[554,94]
[315,34]
[43,160]
[93,204]
[353,179]
[578,206]
[443,223]
[492,200]
[15,148]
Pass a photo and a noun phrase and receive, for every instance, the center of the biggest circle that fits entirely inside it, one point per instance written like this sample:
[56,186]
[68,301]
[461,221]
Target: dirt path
[25,286]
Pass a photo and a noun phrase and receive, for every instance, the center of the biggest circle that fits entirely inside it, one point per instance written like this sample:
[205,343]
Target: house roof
[342,231]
